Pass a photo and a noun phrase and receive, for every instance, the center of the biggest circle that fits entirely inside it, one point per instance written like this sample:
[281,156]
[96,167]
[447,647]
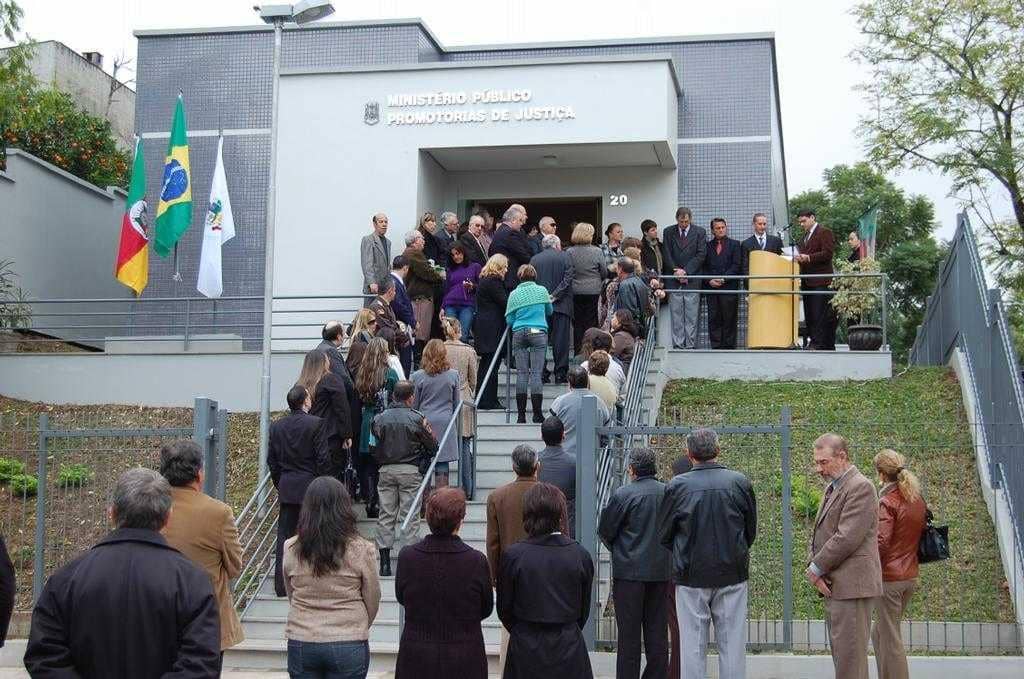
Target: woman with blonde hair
[901,519]
[463,360]
[375,381]
[489,325]
[363,328]
[428,227]
[589,271]
[436,393]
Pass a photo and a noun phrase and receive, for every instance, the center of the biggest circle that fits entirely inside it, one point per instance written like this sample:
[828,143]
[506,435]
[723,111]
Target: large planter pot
[864,337]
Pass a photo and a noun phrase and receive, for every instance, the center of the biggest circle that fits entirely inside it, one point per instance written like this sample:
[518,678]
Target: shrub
[74,475]
[24,485]
[805,497]
[10,468]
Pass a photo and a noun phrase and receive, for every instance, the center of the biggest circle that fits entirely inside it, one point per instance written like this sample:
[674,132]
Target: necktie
[760,242]
[718,248]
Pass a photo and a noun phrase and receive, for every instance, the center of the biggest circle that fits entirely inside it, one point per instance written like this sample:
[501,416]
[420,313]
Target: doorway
[565,211]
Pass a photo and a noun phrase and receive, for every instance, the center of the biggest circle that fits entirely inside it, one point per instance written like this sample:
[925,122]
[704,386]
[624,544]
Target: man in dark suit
[816,249]
[555,272]
[558,467]
[333,334]
[761,240]
[297,454]
[401,307]
[447,235]
[471,243]
[685,247]
[723,259]
[509,240]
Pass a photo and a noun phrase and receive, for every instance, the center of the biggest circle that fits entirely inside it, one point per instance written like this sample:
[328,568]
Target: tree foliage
[905,247]
[948,79]
[1002,250]
[48,123]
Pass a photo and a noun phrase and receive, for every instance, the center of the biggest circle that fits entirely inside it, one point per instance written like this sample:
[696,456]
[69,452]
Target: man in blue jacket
[401,305]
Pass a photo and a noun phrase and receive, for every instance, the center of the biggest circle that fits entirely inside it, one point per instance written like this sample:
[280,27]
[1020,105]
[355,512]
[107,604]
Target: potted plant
[856,301]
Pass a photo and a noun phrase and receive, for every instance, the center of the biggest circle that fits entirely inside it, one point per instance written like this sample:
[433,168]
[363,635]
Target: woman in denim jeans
[330,575]
[528,307]
[460,289]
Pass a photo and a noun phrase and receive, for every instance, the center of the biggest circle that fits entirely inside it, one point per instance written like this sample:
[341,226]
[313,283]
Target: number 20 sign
[618,200]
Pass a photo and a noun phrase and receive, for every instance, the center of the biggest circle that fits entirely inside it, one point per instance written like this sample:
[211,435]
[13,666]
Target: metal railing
[257,533]
[95,323]
[881,292]
[454,424]
[964,315]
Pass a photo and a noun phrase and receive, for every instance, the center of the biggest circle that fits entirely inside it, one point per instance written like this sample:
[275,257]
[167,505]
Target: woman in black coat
[445,587]
[544,587]
[331,401]
[489,324]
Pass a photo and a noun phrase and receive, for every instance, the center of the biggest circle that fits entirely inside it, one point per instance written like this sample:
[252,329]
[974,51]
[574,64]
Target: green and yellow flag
[174,212]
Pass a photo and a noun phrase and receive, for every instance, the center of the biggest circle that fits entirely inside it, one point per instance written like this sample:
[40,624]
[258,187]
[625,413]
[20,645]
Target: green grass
[918,413]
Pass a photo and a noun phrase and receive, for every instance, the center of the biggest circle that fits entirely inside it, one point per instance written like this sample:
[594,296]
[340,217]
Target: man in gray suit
[375,255]
[844,565]
[558,467]
[555,272]
[447,235]
[685,247]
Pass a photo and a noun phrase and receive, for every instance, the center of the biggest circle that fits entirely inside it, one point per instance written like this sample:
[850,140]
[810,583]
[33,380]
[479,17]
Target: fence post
[204,420]
[586,504]
[787,532]
[39,560]
[221,443]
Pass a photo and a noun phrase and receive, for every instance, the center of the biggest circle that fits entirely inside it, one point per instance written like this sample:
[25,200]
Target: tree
[1002,250]
[905,248]
[948,76]
[48,123]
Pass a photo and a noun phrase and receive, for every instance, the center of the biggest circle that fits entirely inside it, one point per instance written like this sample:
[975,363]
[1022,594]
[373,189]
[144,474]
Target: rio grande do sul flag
[132,266]
[218,228]
[174,211]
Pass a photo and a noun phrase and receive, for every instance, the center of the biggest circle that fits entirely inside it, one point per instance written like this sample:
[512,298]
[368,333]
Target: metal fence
[58,473]
[966,318]
[964,605]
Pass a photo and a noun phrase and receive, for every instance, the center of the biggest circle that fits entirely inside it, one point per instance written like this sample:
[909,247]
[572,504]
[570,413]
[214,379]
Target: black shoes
[385,563]
[521,407]
[372,511]
[538,407]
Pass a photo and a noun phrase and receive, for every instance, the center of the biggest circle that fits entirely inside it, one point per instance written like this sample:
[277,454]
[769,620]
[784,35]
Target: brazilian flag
[174,212]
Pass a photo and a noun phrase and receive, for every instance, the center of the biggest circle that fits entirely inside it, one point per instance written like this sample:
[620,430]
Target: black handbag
[934,543]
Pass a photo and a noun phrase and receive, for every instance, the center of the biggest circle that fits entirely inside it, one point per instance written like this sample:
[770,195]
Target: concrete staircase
[264,623]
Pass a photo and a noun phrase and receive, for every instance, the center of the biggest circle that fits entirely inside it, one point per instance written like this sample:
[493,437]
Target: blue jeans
[529,346]
[330,660]
[465,315]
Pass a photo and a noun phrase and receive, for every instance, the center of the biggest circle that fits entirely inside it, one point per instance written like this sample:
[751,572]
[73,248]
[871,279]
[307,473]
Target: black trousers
[722,315]
[287,521]
[490,388]
[558,338]
[820,318]
[369,474]
[584,317]
[641,607]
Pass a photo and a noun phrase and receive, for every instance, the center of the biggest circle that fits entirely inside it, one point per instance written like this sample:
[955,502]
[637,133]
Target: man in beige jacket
[203,529]
[843,559]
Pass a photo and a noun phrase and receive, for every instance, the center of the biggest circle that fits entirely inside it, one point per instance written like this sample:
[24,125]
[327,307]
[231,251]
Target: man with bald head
[843,562]
[375,255]
[472,241]
[509,240]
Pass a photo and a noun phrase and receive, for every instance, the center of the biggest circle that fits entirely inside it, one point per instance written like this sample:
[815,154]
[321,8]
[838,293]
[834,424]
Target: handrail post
[188,312]
[39,560]
[885,311]
[508,378]
[787,530]
[586,504]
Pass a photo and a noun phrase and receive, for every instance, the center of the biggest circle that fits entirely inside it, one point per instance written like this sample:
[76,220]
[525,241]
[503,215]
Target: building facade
[380,116]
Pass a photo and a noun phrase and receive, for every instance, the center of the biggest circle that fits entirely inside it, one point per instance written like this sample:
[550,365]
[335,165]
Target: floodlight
[310,10]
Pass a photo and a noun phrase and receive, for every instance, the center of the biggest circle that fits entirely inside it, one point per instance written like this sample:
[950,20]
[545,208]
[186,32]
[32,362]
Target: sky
[819,102]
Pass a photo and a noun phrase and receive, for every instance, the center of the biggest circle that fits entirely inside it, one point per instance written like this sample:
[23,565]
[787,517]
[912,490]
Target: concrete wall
[766,365]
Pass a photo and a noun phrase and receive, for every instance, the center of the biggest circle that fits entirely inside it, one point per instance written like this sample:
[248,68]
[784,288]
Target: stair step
[382,630]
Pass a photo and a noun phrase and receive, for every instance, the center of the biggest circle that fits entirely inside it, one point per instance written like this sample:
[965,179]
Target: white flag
[218,228]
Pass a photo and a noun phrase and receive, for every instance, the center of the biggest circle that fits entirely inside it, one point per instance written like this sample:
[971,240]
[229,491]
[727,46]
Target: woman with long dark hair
[544,590]
[460,289]
[374,384]
[363,328]
[442,636]
[330,575]
[330,402]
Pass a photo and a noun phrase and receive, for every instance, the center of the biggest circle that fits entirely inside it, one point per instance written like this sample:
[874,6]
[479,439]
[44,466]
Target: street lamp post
[300,13]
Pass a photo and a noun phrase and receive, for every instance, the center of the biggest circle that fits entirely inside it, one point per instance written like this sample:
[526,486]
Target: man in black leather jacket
[709,521]
[403,438]
[641,568]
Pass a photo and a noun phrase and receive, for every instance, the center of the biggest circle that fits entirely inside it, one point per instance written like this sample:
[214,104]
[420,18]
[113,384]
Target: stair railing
[257,530]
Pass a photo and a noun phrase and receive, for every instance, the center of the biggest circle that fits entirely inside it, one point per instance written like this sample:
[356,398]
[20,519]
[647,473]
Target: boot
[372,509]
[538,408]
[521,406]
[385,562]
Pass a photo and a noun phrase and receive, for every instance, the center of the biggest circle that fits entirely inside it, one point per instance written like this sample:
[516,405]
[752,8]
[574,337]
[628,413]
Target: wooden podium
[772,320]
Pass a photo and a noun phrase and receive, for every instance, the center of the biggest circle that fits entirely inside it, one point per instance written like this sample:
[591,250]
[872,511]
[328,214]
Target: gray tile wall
[226,79]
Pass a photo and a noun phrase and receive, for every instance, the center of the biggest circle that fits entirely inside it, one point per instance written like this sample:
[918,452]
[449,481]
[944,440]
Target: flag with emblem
[132,266]
[867,230]
[174,212]
[218,228]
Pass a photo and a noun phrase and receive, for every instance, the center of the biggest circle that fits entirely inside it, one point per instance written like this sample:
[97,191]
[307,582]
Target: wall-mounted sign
[477,106]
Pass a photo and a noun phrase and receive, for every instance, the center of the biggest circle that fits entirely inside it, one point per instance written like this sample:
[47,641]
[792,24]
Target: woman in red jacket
[901,520]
